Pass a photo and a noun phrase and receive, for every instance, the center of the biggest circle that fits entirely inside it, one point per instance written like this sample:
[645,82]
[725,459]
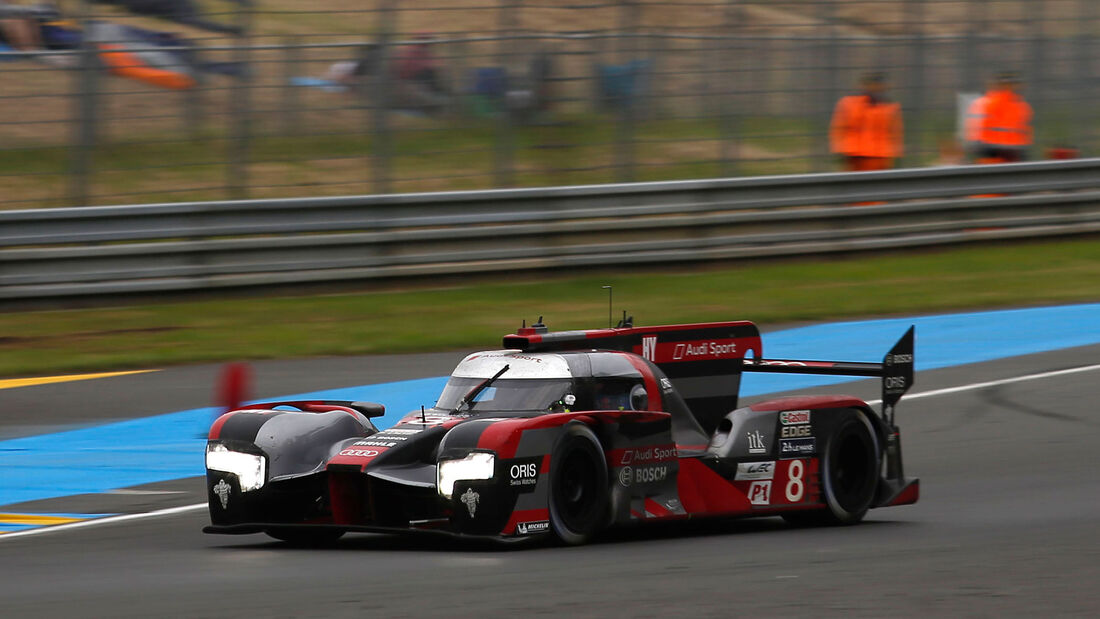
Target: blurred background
[135,101]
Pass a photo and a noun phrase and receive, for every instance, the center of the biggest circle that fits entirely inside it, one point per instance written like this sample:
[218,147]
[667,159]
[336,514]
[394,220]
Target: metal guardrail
[197,246]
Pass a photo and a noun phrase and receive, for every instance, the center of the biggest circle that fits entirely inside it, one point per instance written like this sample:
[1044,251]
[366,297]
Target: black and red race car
[565,434]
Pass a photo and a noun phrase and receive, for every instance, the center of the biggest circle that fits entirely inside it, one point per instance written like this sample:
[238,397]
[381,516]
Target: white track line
[98,521]
[994,383]
[187,508]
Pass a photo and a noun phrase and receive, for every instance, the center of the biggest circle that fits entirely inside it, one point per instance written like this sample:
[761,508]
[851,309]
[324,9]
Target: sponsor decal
[755,470]
[524,473]
[647,474]
[760,492]
[892,359]
[626,476]
[373,443]
[649,347]
[643,474]
[795,486]
[641,455]
[794,418]
[413,419]
[404,431]
[360,453]
[222,489]
[894,382]
[506,355]
[666,385]
[795,431]
[756,442]
[712,350]
[530,528]
[470,499]
[797,447]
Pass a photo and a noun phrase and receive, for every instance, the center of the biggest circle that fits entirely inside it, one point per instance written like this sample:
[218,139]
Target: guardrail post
[237,181]
[84,130]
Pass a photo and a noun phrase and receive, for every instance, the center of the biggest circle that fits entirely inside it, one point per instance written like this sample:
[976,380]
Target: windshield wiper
[473,393]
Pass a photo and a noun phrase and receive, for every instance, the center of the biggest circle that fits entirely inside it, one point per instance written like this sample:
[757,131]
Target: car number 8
[795,487]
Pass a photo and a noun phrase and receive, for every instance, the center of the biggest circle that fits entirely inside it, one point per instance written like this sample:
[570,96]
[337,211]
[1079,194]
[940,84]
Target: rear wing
[896,370]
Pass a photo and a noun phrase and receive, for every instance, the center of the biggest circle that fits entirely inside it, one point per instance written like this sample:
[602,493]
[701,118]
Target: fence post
[291,105]
[84,131]
[380,85]
[625,127]
[505,142]
[1037,82]
[192,99]
[458,73]
[237,182]
[829,84]
[1084,102]
[914,118]
[727,118]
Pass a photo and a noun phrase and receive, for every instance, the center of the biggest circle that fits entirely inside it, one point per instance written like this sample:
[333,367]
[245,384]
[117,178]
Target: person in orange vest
[866,131]
[1004,126]
[972,129]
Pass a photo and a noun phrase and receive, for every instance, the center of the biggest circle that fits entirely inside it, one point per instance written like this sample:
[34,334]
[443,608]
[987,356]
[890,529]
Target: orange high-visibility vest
[1007,120]
[975,118]
[861,128]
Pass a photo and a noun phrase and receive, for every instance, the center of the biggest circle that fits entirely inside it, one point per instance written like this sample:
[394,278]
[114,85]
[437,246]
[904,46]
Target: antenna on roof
[626,322]
[610,292]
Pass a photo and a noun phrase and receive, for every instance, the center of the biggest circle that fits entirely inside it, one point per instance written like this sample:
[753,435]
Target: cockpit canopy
[543,382]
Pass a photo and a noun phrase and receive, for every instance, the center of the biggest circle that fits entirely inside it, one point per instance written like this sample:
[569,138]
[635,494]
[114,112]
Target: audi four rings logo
[360,453]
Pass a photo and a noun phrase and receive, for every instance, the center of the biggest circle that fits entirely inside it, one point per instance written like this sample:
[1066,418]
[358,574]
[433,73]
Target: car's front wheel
[578,485]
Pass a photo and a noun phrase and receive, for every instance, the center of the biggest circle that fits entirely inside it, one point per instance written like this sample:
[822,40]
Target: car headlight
[477,465]
[250,469]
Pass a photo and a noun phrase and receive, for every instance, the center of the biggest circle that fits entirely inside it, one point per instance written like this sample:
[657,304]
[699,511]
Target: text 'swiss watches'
[566,434]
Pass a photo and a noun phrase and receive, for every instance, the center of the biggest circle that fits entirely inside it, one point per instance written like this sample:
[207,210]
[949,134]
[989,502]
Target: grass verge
[476,314]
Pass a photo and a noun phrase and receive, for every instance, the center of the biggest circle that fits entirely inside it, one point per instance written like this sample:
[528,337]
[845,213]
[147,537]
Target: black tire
[849,473]
[305,537]
[578,485]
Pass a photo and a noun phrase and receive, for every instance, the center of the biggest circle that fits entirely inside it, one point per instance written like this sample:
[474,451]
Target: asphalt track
[1007,525]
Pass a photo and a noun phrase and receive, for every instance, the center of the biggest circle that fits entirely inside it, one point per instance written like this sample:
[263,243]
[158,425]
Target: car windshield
[517,394]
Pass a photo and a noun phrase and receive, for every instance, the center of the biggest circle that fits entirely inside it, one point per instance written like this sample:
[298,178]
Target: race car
[564,434]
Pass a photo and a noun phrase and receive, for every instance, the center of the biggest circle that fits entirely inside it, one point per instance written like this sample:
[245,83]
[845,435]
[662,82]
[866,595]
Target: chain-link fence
[143,101]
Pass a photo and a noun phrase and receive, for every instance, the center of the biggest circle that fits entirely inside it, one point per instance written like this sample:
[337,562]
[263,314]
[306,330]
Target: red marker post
[234,386]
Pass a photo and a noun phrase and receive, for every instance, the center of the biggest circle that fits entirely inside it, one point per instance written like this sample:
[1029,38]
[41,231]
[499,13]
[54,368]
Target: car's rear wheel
[578,485]
[305,537]
[849,473]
